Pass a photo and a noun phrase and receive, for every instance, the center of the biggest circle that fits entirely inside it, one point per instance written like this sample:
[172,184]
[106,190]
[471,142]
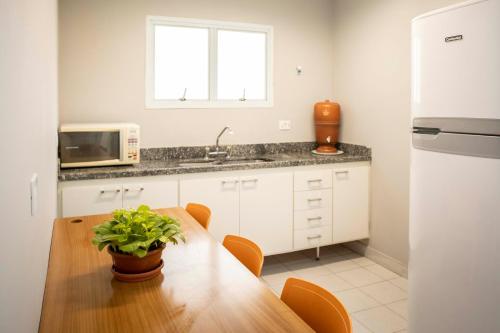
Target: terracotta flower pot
[327,122]
[129,264]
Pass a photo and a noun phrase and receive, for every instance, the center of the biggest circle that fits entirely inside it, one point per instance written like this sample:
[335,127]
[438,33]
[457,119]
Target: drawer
[308,238]
[312,180]
[312,218]
[313,199]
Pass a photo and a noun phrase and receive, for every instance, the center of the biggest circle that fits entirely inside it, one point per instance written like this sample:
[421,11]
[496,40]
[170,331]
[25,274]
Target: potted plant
[135,239]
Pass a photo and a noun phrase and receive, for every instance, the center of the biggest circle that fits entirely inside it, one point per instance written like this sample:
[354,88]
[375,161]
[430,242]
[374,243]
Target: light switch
[34,194]
[285,125]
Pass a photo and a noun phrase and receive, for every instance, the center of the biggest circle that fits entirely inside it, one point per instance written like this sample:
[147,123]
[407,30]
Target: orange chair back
[316,306]
[201,213]
[246,251]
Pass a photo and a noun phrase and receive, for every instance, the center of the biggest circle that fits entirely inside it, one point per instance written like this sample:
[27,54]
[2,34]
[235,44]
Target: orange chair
[201,213]
[246,251]
[316,306]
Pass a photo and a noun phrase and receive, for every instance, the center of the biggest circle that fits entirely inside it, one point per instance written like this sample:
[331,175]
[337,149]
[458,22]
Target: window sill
[207,105]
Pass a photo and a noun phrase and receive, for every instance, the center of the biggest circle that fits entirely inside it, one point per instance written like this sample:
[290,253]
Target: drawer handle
[315,180]
[314,218]
[314,199]
[341,172]
[255,180]
[110,191]
[313,237]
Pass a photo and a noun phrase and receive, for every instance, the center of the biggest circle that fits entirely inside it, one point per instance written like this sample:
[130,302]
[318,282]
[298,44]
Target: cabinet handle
[340,172]
[314,199]
[224,182]
[315,180]
[314,218]
[110,191]
[313,237]
[140,189]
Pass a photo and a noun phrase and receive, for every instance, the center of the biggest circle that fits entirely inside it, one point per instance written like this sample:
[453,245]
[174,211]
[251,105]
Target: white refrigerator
[454,270]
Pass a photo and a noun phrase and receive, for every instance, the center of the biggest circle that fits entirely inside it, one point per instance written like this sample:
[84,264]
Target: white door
[350,203]
[90,200]
[456,62]
[266,211]
[454,240]
[221,195]
[155,194]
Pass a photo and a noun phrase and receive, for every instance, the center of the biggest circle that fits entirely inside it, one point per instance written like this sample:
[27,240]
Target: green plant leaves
[137,231]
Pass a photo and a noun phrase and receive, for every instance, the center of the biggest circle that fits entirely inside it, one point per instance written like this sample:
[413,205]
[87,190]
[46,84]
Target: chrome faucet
[217,151]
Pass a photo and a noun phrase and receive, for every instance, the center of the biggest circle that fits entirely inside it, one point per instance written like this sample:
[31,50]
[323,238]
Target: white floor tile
[384,292]
[383,272]
[354,300]
[276,278]
[400,282]
[400,307]
[309,270]
[332,283]
[359,277]
[357,327]
[363,261]
[340,265]
[380,320]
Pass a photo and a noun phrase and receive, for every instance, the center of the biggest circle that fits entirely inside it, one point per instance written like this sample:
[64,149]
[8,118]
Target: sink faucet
[217,151]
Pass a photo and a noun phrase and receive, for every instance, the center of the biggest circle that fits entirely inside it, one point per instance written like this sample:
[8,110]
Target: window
[205,64]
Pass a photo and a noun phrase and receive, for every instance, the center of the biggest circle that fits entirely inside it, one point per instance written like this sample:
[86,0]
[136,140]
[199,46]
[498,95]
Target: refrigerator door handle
[460,144]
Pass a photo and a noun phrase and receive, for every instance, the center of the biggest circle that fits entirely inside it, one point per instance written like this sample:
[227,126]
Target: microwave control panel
[133,144]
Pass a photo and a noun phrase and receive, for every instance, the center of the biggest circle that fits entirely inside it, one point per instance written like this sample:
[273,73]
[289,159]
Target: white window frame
[213,27]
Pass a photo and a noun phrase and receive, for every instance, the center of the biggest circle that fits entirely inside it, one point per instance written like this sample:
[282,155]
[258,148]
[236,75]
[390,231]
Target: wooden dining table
[202,288]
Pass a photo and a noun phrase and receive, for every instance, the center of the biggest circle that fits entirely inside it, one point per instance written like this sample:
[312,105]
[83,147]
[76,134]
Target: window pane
[241,64]
[181,62]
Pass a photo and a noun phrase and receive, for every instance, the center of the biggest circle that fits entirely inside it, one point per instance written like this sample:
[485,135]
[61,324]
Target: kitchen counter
[184,160]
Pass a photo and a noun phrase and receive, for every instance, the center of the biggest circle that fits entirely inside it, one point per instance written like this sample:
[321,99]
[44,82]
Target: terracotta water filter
[326,123]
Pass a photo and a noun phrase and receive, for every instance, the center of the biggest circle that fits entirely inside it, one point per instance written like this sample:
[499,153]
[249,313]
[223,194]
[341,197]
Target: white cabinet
[266,211]
[313,199]
[281,209]
[350,203]
[312,180]
[312,237]
[312,208]
[221,195]
[91,199]
[155,194]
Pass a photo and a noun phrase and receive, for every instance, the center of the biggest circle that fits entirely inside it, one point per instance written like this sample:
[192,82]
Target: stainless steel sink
[235,160]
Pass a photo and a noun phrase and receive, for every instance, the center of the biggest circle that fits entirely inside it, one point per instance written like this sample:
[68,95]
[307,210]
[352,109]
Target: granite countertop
[184,160]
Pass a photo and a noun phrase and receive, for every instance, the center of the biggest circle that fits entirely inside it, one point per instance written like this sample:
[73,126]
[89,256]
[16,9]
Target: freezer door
[456,62]
[462,136]
[454,270]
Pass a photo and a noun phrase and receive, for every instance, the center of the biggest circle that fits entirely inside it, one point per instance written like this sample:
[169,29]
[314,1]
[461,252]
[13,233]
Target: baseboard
[380,258]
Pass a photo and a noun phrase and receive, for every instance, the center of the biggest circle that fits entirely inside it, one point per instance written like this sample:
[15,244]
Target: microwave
[90,145]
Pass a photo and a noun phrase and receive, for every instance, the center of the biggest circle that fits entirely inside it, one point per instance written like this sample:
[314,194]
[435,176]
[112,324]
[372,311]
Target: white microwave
[90,145]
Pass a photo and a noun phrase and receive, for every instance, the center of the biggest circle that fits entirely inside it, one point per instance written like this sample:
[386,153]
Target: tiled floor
[375,297]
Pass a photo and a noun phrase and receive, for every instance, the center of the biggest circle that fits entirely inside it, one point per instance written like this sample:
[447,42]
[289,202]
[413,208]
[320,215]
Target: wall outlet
[285,125]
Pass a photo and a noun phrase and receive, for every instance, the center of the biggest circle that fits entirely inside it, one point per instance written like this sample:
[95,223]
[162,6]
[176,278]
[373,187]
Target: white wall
[102,51]
[372,83]
[28,118]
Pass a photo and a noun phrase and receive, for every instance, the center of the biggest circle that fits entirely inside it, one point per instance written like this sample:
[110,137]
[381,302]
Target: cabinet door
[89,200]
[350,203]
[266,211]
[155,194]
[221,196]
